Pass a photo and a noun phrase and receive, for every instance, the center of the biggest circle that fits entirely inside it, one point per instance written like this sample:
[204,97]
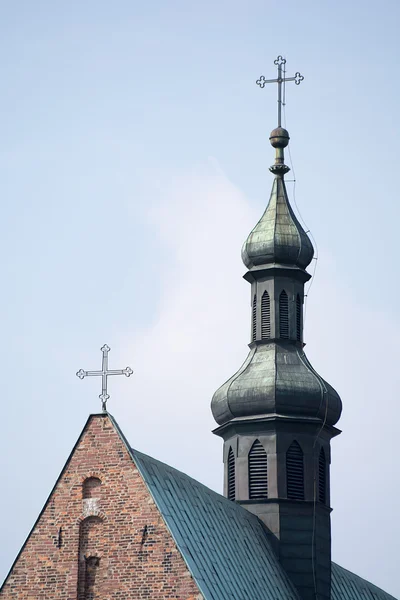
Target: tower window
[298,318]
[322,477]
[265,316]
[231,475]
[283,315]
[295,472]
[258,472]
[254,319]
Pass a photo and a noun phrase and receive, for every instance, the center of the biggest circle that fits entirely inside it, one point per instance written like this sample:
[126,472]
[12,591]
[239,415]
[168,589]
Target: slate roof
[225,547]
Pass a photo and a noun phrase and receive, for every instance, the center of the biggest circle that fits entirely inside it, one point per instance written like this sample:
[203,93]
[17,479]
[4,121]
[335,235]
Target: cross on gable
[104,374]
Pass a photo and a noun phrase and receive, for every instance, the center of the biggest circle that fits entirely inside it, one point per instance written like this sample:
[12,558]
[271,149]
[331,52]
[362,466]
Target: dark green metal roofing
[347,586]
[278,236]
[276,378]
[225,547]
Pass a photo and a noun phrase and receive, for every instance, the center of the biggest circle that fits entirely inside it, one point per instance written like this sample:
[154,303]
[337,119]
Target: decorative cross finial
[105,372]
[281,79]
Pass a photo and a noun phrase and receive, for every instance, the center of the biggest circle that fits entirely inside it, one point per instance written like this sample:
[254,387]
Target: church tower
[276,415]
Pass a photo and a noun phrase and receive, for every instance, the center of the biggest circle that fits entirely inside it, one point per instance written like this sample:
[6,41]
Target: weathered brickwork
[110,536]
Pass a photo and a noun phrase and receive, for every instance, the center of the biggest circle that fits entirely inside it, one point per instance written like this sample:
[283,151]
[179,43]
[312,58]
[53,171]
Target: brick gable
[100,535]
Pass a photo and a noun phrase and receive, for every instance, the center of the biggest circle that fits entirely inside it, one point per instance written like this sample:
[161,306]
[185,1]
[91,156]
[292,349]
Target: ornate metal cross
[281,79]
[105,372]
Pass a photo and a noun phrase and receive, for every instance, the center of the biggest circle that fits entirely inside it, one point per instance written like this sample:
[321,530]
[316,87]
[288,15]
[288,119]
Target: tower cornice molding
[288,502]
[276,340]
[273,422]
[276,270]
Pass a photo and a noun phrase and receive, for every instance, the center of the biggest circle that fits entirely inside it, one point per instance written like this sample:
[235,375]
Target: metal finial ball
[279,138]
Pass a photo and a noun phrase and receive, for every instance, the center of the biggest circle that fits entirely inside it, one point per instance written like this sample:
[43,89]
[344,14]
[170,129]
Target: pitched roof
[348,586]
[227,548]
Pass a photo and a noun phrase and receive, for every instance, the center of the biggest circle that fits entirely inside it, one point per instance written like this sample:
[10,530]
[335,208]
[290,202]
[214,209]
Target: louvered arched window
[295,472]
[298,318]
[258,472]
[231,475]
[322,477]
[254,319]
[283,315]
[265,316]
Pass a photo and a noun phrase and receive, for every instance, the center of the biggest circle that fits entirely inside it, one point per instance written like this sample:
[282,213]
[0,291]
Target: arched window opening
[258,472]
[322,477]
[90,540]
[231,475]
[283,315]
[91,577]
[91,488]
[254,319]
[265,316]
[295,472]
[298,318]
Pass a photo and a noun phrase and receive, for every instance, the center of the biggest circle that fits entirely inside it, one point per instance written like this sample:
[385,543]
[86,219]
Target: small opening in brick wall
[91,488]
[60,538]
[144,535]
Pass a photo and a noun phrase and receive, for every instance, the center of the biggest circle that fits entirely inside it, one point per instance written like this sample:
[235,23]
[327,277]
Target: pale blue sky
[134,160]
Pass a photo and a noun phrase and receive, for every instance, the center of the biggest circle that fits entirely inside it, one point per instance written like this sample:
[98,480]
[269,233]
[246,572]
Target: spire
[276,377]
[276,414]
[278,237]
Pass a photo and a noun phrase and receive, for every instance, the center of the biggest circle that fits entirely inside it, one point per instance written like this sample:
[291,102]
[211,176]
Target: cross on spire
[280,80]
[104,373]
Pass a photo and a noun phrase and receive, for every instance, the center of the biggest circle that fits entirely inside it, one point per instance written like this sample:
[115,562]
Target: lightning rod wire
[308,231]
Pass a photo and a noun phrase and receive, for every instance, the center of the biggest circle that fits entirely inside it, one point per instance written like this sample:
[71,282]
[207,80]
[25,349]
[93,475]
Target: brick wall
[114,541]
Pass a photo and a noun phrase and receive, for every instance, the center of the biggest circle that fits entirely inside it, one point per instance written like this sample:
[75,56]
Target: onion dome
[278,237]
[276,379]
